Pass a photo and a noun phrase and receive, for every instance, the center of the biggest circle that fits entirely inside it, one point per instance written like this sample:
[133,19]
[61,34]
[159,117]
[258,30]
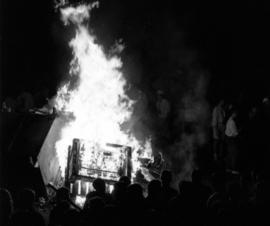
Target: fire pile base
[88,161]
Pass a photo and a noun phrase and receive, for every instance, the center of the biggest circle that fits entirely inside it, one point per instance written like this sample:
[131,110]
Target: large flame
[98,103]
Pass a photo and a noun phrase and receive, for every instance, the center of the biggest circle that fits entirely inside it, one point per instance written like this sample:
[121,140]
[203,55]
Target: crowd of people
[235,193]
[240,136]
[216,199]
[26,102]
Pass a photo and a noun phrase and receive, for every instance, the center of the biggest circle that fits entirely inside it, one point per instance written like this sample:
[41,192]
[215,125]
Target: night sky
[229,41]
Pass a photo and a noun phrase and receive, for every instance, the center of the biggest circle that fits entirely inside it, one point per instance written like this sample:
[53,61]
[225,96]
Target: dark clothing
[105,196]
[231,159]
[168,193]
[27,217]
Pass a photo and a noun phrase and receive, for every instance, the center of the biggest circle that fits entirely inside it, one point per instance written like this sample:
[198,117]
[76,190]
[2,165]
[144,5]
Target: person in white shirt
[232,134]
[231,128]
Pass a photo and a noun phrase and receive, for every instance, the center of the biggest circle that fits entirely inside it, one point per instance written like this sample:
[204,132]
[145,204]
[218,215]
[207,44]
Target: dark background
[230,41]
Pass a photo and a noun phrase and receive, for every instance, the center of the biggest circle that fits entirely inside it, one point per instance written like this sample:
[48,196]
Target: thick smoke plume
[184,83]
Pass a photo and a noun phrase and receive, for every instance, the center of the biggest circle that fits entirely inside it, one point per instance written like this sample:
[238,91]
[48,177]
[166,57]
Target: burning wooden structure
[87,161]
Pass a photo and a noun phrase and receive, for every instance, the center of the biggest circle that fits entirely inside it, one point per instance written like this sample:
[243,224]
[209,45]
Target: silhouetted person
[25,102]
[119,193]
[41,97]
[26,213]
[265,137]
[201,191]
[182,208]
[100,191]
[6,206]
[154,198]
[134,203]
[62,194]
[92,210]
[167,191]
[163,106]
[232,141]
[9,105]
[57,215]
[218,125]
[219,199]
[250,141]
[125,180]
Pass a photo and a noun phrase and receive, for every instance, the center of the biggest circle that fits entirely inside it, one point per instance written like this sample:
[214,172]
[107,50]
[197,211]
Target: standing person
[167,191]
[163,109]
[232,134]
[264,140]
[250,141]
[163,106]
[25,102]
[218,118]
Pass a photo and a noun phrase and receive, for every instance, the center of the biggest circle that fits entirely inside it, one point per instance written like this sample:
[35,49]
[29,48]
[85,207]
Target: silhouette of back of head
[62,194]
[99,185]
[125,180]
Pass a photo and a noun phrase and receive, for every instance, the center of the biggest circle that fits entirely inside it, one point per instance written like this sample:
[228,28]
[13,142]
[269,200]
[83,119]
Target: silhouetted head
[62,194]
[125,180]
[166,178]
[119,190]
[99,185]
[26,198]
[154,188]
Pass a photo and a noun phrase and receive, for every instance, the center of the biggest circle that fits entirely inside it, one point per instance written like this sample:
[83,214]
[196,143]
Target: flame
[98,103]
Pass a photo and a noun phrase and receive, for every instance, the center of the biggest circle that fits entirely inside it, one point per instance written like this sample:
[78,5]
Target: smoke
[192,125]
[184,83]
